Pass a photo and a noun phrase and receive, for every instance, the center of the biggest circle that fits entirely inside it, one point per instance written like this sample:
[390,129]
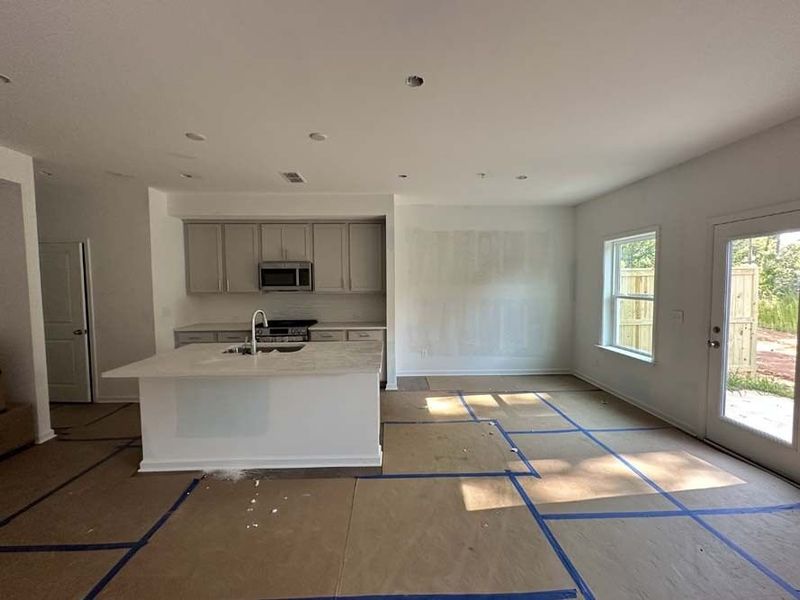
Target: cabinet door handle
[227,285]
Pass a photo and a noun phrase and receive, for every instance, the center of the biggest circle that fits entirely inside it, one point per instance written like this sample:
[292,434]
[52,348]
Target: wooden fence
[743,319]
[636,317]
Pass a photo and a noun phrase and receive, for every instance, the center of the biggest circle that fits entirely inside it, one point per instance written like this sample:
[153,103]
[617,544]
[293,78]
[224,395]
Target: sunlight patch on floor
[488,494]
[680,471]
[481,400]
[445,406]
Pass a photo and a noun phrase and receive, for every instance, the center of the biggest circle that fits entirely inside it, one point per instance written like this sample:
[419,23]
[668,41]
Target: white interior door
[65,321]
[752,398]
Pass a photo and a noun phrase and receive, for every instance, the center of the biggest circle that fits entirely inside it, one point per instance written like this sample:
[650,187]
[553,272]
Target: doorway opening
[66,308]
[762,333]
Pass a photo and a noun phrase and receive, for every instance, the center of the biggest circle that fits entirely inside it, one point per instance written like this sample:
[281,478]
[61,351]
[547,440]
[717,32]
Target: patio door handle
[713,344]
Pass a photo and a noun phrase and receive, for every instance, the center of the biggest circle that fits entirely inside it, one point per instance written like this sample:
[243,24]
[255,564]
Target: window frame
[612,295]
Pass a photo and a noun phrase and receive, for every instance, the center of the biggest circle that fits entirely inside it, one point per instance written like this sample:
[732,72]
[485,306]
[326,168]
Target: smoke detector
[293,177]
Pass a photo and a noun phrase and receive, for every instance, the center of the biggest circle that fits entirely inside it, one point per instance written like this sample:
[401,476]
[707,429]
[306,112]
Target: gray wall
[112,214]
[759,171]
[16,347]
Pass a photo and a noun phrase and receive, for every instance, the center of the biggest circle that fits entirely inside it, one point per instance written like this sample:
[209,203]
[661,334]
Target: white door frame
[712,385]
[94,376]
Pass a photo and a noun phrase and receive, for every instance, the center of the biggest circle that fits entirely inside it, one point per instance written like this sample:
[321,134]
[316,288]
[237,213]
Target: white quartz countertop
[246,326]
[346,325]
[208,360]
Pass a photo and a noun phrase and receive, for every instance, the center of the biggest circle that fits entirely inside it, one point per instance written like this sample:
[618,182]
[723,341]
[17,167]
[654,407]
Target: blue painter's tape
[429,422]
[748,510]
[777,579]
[517,450]
[5,521]
[601,430]
[554,544]
[468,407]
[543,595]
[616,429]
[93,421]
[100,585]
[544,431]
[645,514]
[66,547]
[447,475]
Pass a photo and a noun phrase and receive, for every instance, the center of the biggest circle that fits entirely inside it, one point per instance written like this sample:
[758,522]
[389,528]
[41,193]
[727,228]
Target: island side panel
[260,423]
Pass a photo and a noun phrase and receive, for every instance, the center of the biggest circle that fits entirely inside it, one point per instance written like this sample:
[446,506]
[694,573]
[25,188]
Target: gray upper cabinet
[366,257]
[286,241]
[242,254]
[348,257]
[331,264]
[203,257]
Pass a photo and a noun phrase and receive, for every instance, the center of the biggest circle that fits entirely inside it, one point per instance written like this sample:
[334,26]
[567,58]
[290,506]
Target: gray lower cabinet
[242,255]
[183,338]
[352,335]
[204,266]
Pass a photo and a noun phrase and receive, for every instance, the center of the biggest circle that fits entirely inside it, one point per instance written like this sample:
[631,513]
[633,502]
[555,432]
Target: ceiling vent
[293,177]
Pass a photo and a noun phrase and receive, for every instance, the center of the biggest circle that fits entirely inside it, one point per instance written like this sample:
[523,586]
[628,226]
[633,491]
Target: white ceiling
[581,95]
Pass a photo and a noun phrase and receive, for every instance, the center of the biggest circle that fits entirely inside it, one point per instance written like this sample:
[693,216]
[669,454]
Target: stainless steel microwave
[285,276]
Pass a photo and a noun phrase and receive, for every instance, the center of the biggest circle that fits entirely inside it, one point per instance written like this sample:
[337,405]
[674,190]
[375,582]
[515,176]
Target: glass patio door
[752,396]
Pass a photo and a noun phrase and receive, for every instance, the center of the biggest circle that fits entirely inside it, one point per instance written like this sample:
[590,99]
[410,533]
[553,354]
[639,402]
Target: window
[630,283]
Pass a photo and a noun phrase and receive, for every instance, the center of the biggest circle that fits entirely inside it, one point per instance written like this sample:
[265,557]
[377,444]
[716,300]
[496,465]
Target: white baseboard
[117,399]
[683,426]
[484,372]
[41,438]
[304,462]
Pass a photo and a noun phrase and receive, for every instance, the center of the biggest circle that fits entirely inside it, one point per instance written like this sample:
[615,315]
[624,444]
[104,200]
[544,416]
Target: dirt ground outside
[776,354]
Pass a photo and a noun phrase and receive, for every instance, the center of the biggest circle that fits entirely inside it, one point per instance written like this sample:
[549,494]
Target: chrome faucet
[253,344]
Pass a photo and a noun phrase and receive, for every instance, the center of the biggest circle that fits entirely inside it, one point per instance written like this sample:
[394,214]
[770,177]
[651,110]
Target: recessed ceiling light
[414,81]
[195,137]
[521,177]
[45,172]
[402,176]
[317,136]
[5,78]
[482,175]
[119,174]
[189,176]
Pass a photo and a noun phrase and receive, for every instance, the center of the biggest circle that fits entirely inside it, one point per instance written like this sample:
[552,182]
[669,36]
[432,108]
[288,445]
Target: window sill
[648,360]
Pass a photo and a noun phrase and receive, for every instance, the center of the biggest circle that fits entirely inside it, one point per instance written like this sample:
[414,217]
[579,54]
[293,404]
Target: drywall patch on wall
[484,290]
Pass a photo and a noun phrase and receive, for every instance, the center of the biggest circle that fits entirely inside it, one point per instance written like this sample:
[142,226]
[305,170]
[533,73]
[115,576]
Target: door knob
[713,344]
[78,331]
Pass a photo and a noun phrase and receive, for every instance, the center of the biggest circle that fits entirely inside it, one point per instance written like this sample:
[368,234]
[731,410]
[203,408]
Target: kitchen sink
[263,349]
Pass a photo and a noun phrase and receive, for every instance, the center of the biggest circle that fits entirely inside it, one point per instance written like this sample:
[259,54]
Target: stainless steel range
[284,331]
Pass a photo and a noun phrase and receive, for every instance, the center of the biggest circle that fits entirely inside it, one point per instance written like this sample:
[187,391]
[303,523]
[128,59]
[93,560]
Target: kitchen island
[205,409]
